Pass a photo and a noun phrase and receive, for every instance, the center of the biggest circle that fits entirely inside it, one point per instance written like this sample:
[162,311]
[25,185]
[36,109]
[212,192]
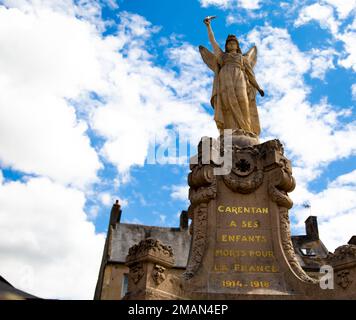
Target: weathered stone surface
[235,86]
[150,249]
[241,242]
[149,263]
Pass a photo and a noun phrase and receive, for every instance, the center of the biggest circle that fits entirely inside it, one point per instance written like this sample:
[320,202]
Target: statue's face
[231,46]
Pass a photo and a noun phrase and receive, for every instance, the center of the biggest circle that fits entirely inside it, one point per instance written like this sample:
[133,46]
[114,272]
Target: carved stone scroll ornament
[202,190]
[199,239]
[202,184]
[202,195]
[282,182]
[288,247]
[201,176]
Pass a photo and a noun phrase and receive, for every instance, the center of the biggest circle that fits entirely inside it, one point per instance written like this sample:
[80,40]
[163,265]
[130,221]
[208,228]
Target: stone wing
[252,56]
[209,58]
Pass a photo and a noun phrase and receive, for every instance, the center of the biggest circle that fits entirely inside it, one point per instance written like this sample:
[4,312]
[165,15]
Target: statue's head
[232,44]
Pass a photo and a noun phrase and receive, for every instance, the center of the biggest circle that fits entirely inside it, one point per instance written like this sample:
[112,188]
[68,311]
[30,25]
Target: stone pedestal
[241,244]
[150,278]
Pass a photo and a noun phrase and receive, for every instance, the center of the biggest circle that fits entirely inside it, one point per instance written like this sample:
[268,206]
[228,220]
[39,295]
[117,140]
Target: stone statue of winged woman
[234,88]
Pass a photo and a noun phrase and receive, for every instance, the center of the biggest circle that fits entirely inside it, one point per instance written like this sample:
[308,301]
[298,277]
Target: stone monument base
[241,244]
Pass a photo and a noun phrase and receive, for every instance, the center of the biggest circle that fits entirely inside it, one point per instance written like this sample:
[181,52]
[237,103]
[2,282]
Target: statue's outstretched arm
[216,48]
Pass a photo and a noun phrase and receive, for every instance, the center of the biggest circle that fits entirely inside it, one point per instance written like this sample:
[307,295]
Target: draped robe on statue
[234,95]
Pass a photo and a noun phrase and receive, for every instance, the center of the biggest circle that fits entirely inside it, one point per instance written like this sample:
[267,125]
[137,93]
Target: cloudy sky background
[88,88]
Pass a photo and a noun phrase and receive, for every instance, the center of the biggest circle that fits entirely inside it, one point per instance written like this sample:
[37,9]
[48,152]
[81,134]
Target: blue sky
[89,87]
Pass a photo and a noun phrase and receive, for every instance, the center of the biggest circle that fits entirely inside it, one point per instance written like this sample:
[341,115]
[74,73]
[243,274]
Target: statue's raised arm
[217,50]
[234,88]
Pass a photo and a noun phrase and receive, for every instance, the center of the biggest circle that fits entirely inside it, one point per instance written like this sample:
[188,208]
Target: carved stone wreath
[243,164]
[245,176]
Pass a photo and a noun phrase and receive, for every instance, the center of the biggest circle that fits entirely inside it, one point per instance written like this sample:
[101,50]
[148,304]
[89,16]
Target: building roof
[310,250]
[9,292]
[124,236]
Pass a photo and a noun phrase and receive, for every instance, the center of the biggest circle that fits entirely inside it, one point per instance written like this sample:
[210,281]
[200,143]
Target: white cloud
[93,212]
[343,7]
[146,99]
[312,134]
[277,71]
[106,199]
[323,11]
[66,58]
[249,4]
[233,18]
[245,4]
[345,180]
[335,208]
[47,246]
[162,219]
[89,10]
[353,91]
[123,202]
[52,52]
[287,114]
[348,37]
[218,3]
[180,192]
[321,62]
[324,14]
[303,176]
[46,59]
[338,230]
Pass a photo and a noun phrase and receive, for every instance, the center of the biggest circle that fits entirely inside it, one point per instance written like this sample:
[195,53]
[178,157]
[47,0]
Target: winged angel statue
[234,87]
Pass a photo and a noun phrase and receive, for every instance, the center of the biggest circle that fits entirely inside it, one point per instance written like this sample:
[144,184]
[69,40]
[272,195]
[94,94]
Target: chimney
[311,227]
[183,221]
[115,215]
